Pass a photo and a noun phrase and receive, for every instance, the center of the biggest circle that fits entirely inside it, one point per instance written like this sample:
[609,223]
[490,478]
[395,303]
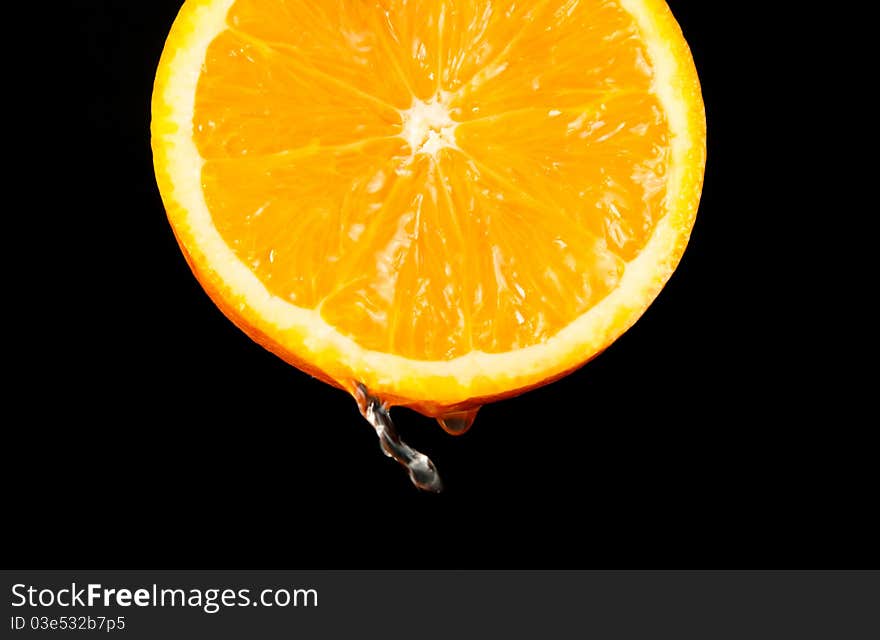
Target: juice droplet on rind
[458,422]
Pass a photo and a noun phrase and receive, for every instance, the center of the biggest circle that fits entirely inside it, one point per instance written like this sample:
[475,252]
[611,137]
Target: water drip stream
[421,470]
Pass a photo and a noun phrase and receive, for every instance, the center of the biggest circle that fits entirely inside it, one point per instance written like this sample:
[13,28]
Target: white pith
[427,126]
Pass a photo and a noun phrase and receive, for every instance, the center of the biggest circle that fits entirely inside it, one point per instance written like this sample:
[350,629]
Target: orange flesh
[555,180]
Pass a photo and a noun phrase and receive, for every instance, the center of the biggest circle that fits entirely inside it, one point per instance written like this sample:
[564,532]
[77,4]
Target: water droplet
[458,422]
[422,471]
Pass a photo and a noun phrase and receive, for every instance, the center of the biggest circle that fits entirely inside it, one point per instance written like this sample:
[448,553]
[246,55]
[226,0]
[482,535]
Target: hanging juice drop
[457,423]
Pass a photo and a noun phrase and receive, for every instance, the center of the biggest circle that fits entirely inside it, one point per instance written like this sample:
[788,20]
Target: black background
[717,433]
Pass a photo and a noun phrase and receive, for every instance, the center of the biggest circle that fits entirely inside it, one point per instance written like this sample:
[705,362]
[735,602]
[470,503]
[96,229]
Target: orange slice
[447,202]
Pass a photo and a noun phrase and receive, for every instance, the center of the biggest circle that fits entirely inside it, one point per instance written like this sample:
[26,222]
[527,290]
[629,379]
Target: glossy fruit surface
[446,202]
